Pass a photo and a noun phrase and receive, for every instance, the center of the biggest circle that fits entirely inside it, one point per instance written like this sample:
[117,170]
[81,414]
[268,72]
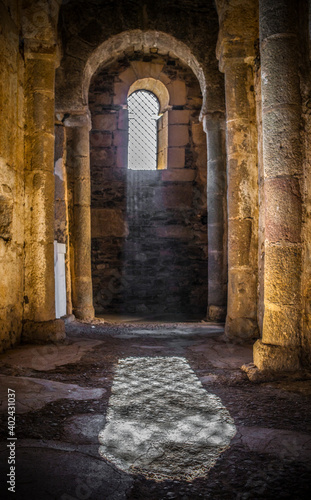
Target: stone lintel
[41,332]
[268,357]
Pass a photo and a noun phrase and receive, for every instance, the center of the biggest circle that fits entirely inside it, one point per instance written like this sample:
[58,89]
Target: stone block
[162,159]
[106,122]
[241,329]
[100,139]
[42,332]
[178,116]
[178,93]
[178,197]
[120,93]
[178,135]
[277,17]
[215,208]
[268,357]
[283,210]
[239,242]
[121,159]
[279,65]
[120,138]
[175,232]
[128,76]
[241,187]
[102,157]
[162,139]
[39,152]
[180,175]
[282,147]
[240,102]
[40,75]
[176,157]
[123,119]
[242,292]
[6,218]
[42,115]
[215,237]
[198,134]
[107,223]
[282,275]
[281,325]
[217,177]
[103,98]
[215,266]
[217,313]
[144,69]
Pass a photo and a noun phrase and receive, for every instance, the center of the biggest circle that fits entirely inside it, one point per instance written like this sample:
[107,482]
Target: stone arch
[75,104]
[156,87]
[114,46]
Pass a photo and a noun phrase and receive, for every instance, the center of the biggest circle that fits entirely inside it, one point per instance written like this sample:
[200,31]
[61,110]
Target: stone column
[39,309]
[236,60]
[214,126]
[282,159]
[82,292]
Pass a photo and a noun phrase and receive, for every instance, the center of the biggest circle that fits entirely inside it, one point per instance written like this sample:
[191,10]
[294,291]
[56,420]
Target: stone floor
[67,418]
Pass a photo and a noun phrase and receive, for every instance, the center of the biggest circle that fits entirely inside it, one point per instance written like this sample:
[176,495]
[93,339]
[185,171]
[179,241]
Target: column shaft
[241,322]
[82,292]
[39,199]
[282,159]
[214,126]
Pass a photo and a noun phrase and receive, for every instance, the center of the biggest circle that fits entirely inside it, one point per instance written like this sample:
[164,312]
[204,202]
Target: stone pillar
[82,292]
[214,126]
[236,60]
[39,309]
[282,159]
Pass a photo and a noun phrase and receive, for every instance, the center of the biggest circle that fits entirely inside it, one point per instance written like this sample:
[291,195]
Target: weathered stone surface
[40,332]
[283,210]
[34,393]
[276,358]
[108,223]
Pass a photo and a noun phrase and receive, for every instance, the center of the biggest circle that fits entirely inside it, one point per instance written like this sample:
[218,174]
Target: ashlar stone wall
[149,233]
[11,175]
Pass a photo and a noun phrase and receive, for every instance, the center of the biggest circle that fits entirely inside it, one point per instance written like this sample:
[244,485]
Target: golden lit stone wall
[11,176]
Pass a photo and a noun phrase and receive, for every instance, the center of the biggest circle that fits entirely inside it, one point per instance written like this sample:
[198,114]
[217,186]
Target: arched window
[143,113]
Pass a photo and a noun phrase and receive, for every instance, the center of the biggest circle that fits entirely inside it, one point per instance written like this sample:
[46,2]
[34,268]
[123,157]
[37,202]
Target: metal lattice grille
[143,109]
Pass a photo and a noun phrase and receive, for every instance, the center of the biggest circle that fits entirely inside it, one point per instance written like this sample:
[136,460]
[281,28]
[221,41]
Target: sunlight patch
[161,422]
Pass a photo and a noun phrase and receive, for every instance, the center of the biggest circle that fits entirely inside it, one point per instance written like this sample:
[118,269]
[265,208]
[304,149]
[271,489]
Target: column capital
[235,51]
[80,118]
[38,49]
[238,31]
[213,121]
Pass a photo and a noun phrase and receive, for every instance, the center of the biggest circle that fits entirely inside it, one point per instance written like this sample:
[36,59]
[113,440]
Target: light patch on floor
[161,422]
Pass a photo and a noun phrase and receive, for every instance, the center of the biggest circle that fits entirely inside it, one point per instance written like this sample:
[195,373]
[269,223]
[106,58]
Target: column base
[217,313]
[271,357]
[86,313]
[241,329]
[41,332]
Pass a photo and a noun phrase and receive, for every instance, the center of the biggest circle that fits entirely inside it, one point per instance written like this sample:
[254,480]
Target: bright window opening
[143,112]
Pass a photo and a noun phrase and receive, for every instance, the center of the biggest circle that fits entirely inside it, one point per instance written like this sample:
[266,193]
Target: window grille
[143,111]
